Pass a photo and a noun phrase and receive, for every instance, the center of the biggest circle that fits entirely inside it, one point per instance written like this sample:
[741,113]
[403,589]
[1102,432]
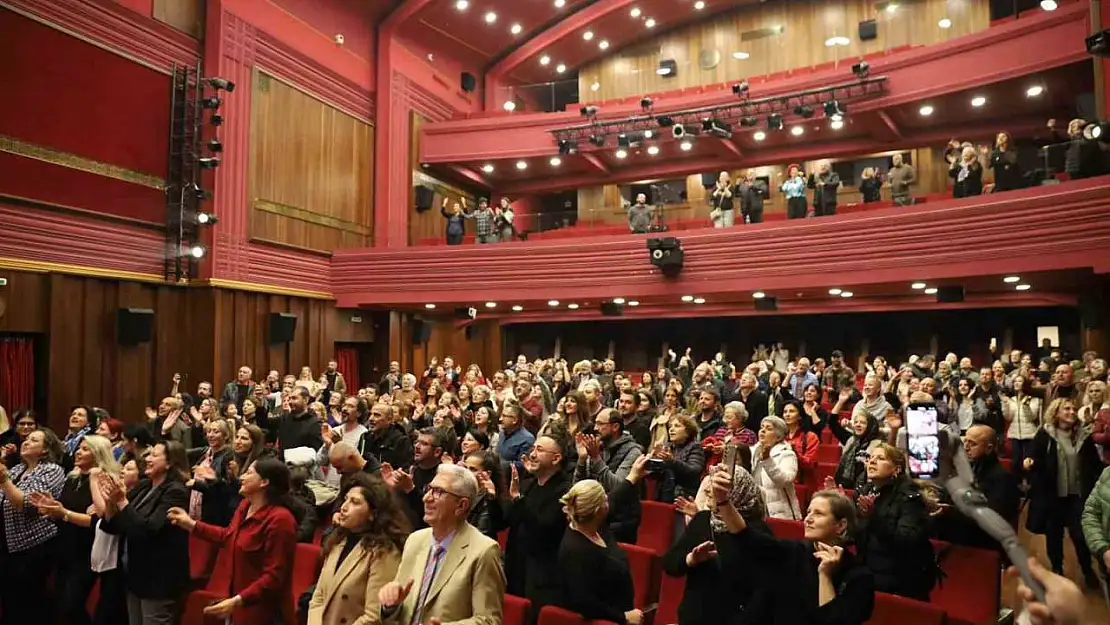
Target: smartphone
[923,440]
[649,609]
[729,459]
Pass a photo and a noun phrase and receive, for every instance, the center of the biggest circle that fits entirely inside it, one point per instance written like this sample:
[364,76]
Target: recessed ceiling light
[797,131]
[595,86]
[835,291]
[553,302]
[699,300]
[687,298]
[633,303]
[653,150]
[462,5]
[1034,91]
[846,294]
[603,44]
[650,23]
[521,165]
[515,29]
[699,5]
[556,161]
[740,56]
[759,135]
[926,110]
[1023,287]
[509,106]
[978,101]
[648,134]
[635,12]
[429,306]
[945,23]
[491,304]
[836,124]
[759,295]
[918,286]
[686,146]
[559,3]
[588,35]
[892,7]
[518,308]
[491,17]
[1011,279]
[931,290]
[572,306]
[837,41]
[1048,5]
[560,68]
[618,300]
[487,168]
[621,154]
[544,60]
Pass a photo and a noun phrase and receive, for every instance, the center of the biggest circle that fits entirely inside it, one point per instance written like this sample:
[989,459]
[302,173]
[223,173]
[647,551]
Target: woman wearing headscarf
[711,595]
[863,434]
[774,467]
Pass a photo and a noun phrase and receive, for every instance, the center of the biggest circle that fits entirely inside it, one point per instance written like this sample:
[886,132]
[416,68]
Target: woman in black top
[1004,162]
[968,174]
[870,185]
[683,460]
[816,418]
[487,513]
[211,497]
[812,581]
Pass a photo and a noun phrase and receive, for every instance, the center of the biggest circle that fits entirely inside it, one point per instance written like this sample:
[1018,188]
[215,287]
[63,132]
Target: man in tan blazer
[450,573]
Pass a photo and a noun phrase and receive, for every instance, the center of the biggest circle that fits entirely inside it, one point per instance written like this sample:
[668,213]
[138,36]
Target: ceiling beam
[403,13]
[593,160]
[468,174]
[730,147]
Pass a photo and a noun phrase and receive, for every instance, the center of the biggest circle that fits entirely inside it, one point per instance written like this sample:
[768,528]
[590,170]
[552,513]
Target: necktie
[430,571]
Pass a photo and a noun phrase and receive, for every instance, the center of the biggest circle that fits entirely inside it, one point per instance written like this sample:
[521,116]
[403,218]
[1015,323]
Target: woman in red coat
[252,570]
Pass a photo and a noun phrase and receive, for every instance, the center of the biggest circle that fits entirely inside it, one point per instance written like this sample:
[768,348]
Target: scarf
[745,496]
[964,171]
[854,456]
[73,441]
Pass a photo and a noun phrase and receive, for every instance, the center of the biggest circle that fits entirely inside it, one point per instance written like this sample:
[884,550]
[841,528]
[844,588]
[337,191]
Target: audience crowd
[409,484]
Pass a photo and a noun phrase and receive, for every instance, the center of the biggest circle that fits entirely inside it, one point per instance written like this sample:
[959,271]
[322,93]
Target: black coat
[219,501]
[1044,492]
[969,186]
[536,526]
[871,189]
[392,446]
[893,540]
[297,430]
[157,551]
[1007,170]
[597,582]
[1000,488]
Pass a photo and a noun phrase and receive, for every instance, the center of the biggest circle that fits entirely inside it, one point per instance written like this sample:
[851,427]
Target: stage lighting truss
[725,117]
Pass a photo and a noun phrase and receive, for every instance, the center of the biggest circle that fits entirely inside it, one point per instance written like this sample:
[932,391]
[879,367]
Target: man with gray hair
[450,572]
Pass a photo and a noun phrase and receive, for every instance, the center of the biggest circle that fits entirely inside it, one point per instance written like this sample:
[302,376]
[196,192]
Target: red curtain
[347,359]
[17,373]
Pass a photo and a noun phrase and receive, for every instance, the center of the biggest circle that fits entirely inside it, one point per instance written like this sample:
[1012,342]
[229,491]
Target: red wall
[348,17]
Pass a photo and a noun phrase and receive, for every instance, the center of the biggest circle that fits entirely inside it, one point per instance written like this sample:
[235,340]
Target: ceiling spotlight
[774,121]
[918,286]
[518,308]
[515,29]
[603,44]
[635,12]
[196,251]
[925,111]
[665,120]
[618,300]
[846,294]
[521,165]
[430,306]
[835,291]
[544,60]
[588,111]
[553,302]
[862,69]
[759,295]
[646,103]
[741,88]
[717,128]
[621,153]
[572,306]
[491,17]
[832,42]
[462,5]
[215,146]
[653,150]
[509,106]
[945,23]
[749,121]
[208,163]
[560,68]
[633,303]
[687,298]
[598,140]
[978,101]
[759,135]
[1011,279]
[206,219]
[1048,5]
[487,168]
[699,300]
[803,111]
[1034,91]
[199,193]
[588,35]
[836,124]
[834,109]
[555,161]
[741,56]
[491,304]
[566,146]
[797,131]
[892,7]
[686,146]
[931,290]
[216,119]
[210,103]
[699,5]
[559,3]
[650,23]
[1023,287]
[221,83]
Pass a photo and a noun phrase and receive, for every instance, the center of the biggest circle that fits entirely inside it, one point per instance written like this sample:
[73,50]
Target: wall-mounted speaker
[134,325]
[468,82]
[767,303]
[425,196]
[1091,310]
[709,180]
[421,331]
[609,309]
[950,294]
[868,30]
[282,327]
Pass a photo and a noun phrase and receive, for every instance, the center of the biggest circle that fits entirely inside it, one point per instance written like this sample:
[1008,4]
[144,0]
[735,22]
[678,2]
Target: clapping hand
[638,470]
[529,465]
[865,504]
[224,608]
[150,414]
[593,447]
[828,557]
[485,483]
[47,505]
[402,480]
[180,518]
[514,483]
[686,506]
[702,553]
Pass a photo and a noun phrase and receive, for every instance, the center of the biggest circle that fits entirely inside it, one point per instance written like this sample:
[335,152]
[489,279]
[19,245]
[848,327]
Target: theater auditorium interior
[641,291]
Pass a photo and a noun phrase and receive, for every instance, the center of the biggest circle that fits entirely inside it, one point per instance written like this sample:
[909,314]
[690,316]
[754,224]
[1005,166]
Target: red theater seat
[671,590]
[895,610]
[202,557]
[786,528]
[644,565]
[803,491]
[306,569]
[829,454]
[656,526]
[516,610]
[970,591]
[502,538]
[824,469]
[193,614]
[551,615]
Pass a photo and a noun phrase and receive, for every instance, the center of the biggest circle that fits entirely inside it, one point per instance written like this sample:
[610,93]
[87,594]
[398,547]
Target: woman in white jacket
[1023,418]
[774,467]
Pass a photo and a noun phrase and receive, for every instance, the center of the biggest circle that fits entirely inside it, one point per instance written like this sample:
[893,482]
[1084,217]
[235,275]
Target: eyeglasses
[438,493]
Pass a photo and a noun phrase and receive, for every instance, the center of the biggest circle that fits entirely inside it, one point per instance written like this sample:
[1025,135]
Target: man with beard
[386,441]
[636,429]
[608,458]
[298,427]
[410,484]
[709,413]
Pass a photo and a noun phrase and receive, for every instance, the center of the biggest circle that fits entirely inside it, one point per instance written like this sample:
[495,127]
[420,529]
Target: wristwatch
[65,516]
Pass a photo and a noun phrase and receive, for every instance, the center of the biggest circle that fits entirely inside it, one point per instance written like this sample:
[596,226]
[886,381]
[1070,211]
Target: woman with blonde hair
[597,582]
[967,171]
[210,498]
[870,185]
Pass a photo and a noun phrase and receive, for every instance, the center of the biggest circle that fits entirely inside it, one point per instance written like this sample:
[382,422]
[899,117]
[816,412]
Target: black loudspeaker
[282,327]
[868,30]
[421,331]
[709,180]
[767,303]
[609,309]
[667,255]
[424,198]
[134,325]
[950,294]
[1091,310]
[467,82]
[668,68]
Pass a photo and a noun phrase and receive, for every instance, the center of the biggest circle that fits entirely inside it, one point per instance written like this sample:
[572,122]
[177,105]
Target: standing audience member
[238,390]
[803,441]
[968,174]
[454,222]
[251,571]
[608,458]
[386,441]
[990,478]
[870,186]
[640,215]
[411,483]
[361,556]
[209,496]
[12,440]
[683,460]
[774,468]
[1022,413]
[794,188]
[825,185]
[864,435]
[28,537]
[752,192]
[723,213]
[487,513]
[1096,522]
[515,441]
[297,427]
[1004,162]
[900,177]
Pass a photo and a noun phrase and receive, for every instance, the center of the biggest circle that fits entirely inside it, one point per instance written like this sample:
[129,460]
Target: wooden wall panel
[311,170]
[806,24]
[184,15]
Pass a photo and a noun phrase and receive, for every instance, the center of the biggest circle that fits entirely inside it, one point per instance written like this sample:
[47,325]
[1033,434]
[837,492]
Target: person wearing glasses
[11,440]
[449,571]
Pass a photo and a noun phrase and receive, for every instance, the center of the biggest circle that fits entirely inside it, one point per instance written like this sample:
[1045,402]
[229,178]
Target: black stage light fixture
[834,110]
[221,83]
[717,128]
[862,69]
[194,251]
[210,103]
[667,255]
[749,121]
[610,309]
[774,121]
[678,131]
[208,162]
[665,120]
[646,103]
[741,88]
[566,147]
[598,140]
[216,119]
[804,111]
[767,304]
[588,111]
[205,218]
[199,193]
[215,146]
[623,141]
[1098,131]
[1098,44]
